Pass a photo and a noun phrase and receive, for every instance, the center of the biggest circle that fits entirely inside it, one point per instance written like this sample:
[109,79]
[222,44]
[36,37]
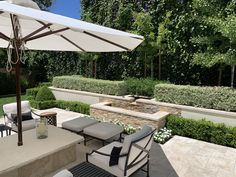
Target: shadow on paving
[159,164]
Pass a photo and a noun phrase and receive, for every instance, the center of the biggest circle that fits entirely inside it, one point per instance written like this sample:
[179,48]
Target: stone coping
[106,106]
[189,108]
[13,156]
[124,98]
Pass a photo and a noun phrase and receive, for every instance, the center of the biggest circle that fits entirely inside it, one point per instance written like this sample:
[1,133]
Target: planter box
[217,116]
[86,97]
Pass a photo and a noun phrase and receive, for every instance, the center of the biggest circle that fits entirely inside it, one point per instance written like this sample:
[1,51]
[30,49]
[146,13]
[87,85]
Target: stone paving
[179,157]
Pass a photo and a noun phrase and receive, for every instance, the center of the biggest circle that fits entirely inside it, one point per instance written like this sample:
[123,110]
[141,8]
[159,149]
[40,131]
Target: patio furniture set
[114,159]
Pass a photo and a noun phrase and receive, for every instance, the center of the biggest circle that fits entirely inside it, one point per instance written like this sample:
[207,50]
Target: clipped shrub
[44,94]
[221,98]
[202,130]
[90,85]
[68,105]
[32,93]
[141,87]
[74,106]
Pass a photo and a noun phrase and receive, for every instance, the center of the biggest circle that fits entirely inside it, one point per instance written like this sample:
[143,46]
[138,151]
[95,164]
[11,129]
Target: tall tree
[219,46]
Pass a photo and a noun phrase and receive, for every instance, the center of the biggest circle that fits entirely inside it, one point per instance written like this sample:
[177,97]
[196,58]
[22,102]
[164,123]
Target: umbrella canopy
[24,26]
[42,30]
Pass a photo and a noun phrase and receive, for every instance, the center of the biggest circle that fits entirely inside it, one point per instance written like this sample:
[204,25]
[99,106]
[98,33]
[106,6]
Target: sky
[69,8]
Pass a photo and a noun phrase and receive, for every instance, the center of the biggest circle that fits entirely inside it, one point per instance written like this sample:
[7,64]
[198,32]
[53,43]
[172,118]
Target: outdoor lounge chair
[134,154]
[10,116]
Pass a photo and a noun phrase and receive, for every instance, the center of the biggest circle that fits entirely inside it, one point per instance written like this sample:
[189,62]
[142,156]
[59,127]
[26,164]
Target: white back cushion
[134,151]
[12,108]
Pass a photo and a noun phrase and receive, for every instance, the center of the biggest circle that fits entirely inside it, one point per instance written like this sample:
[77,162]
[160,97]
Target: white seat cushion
[26,125]
[64,173]
[103,161]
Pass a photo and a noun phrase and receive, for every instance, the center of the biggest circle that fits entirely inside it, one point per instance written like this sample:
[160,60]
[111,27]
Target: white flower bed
[163,135]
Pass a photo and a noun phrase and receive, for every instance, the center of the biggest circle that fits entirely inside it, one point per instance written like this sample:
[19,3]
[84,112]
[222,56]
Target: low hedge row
[202,130]
[141,87]
[32,93]
[221,98]
[90,85]
[68,105]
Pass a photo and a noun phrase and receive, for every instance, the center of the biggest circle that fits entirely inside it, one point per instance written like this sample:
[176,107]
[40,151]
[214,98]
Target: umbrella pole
[18,98]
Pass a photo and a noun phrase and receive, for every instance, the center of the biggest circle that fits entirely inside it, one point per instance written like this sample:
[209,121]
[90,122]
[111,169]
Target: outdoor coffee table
[86,169]
[102,131]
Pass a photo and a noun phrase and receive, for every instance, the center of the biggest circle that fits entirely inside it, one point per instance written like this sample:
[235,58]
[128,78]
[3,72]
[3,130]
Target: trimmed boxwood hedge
[44,94]
[69,105]
[32,93]
[202,130]
[90,85]
[221,98]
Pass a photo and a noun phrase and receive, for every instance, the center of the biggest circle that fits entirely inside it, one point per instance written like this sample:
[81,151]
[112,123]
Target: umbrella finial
[25,3]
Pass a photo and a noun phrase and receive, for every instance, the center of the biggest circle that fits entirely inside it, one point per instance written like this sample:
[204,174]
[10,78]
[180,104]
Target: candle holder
[41,128]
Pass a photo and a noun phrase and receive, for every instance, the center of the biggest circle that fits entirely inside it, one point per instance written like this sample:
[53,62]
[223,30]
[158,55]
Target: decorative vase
[41,128]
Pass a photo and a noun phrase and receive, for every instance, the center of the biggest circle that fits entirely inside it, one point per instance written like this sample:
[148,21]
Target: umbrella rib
[47,34]
[68,40]
[36,31]
[105,40]
[5,37]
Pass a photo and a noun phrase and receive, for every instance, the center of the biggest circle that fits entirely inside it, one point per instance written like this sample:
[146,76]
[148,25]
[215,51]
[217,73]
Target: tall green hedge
[202,130]
[221,98]
[90,85]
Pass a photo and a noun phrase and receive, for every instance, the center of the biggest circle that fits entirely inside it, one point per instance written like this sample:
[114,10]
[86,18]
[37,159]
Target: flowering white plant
[163,135]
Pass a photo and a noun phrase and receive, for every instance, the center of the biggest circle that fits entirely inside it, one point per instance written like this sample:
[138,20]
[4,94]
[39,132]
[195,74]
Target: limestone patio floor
[180,157]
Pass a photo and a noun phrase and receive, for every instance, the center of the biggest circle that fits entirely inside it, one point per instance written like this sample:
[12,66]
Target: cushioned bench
[103,131]
[93,129]
[77,125]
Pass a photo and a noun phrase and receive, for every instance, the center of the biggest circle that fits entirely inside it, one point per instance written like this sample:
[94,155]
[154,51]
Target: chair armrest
[35,113]
[6,116]
[101,153]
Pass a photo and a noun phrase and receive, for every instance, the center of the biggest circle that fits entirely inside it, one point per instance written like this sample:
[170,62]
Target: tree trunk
[220,77]
[152,69]
[95,69]
[159,66]
[145,66]
[232,75]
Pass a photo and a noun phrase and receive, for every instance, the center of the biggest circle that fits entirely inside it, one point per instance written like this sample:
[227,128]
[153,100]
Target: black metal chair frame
[133,163]
[6,116]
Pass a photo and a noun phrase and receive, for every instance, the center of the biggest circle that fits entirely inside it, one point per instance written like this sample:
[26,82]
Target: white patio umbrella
[23,26]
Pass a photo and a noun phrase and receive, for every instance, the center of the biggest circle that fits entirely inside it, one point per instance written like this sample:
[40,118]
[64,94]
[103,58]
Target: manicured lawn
[6,100]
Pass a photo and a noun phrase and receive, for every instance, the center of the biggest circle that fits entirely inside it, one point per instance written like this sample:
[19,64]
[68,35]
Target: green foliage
[8,84]
[68,105]
[90,85]
[221,98]
[202,130]
[44,94]
[141,87]
[44,4]
[32,93]
[47,84]
[44,65]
